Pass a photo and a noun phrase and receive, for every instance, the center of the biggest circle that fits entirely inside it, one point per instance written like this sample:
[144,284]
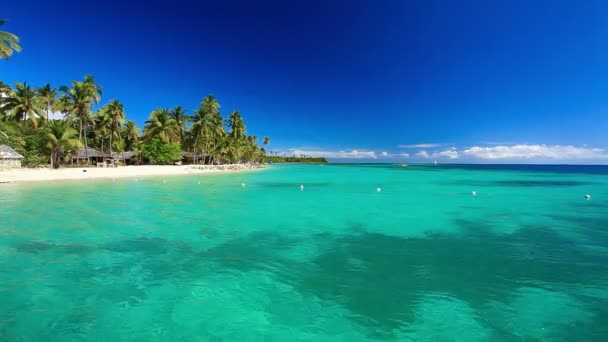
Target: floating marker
[199,182]
[242,185]
[474,193]
[587,196]
[164,181]
[378,189]
[301,187]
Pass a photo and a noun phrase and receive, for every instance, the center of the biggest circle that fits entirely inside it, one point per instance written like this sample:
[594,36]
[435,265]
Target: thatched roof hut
[6,152]
[127,155]
[9,158]
[89,152]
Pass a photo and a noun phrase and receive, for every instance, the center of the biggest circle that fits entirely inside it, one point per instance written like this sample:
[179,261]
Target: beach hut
[128,157]
[9,158]
[91,154]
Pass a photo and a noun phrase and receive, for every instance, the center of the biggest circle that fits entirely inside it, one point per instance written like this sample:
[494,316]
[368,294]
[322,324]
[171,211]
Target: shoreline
[25,175]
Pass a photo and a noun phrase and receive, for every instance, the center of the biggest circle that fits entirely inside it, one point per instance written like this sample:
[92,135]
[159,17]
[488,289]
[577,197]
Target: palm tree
[160,124]
[197,131]
[130,134]
[266,141]
[207,126]
[49,95]
[237,133]
[83,95]
[8,126]
[4,89]
[210,105]
[60,136]
[90,80]
[23,103]
[237,126]
[116,113]
[101,124]
[8,42]
[179,115]
[65,105]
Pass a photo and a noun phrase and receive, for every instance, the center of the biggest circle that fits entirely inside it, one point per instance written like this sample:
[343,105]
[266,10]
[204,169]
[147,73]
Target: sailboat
[435,162]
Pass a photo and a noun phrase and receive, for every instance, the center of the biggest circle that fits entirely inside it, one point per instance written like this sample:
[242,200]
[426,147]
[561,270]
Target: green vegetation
[294,159]
[8,42]
[160,152]
[26,125]
[29,124]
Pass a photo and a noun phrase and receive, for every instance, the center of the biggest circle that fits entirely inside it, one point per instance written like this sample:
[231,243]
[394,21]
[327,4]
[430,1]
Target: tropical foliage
[157,151]
[29,123]
[8,42]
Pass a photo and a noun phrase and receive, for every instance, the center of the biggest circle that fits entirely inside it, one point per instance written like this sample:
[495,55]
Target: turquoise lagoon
[201,258]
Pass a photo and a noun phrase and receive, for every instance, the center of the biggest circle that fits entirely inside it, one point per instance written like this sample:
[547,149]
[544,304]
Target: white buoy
[587,196]
[242,185]
[378,189]
[199,182]
[301,187]
[474,193]
[164,181]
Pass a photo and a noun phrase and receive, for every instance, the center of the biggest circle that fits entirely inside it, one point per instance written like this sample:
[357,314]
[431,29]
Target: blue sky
[456,81]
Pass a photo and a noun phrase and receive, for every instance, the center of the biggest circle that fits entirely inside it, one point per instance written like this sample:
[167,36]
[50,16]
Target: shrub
[159,152]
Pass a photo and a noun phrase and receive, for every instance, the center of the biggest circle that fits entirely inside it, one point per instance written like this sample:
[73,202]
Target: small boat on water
[403,165]
[435,162]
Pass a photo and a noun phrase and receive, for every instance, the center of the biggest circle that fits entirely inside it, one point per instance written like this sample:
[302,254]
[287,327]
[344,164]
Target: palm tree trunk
[52,157]
[86,146]
[194,159]
[79,139]
[111,135]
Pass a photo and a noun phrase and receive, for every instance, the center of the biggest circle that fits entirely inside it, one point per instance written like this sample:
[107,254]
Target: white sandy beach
[37,175]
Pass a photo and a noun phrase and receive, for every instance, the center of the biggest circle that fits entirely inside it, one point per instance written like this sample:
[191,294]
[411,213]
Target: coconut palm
[207,126]
[8,42]
[210,105]
[179,115]
[83,95]
[90,80]
[237,126]
[160,124]
[4,89]
[130,132]
[266,141]
[65,105]
[60,137]
[115,111]
[197,131]
[23,104]
[8,126]
[102,125]
[49,95]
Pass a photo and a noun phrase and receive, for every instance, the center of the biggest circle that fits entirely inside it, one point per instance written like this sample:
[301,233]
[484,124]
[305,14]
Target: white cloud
[56,115]
[352,154]
[451,154]
[519,153]
[423,154]
[427,145]
[537,153]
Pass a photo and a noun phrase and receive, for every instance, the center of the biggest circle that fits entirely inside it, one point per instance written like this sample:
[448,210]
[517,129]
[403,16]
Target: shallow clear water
[525,259]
